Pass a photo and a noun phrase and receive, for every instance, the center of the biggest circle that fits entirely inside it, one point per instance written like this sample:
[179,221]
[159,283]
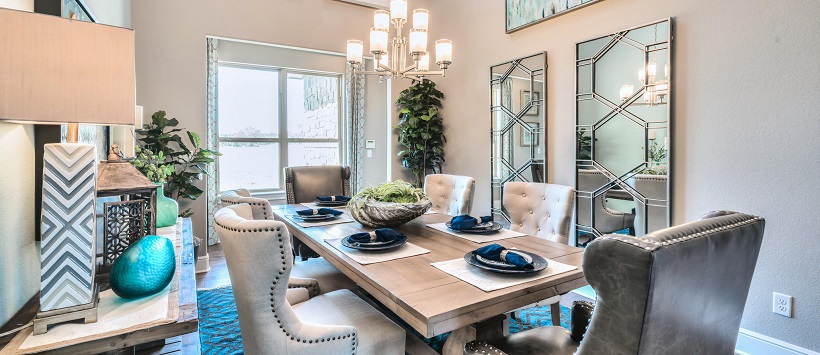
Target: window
[273,118]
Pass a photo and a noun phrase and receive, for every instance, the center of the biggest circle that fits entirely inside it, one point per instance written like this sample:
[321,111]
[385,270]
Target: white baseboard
[751,343]
[203,264]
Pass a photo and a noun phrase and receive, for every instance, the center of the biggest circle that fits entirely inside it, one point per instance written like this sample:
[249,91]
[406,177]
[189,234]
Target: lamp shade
[56,70]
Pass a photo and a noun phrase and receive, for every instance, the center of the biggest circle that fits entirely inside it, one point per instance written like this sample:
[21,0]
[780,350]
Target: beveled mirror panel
[623,95]
[517,111]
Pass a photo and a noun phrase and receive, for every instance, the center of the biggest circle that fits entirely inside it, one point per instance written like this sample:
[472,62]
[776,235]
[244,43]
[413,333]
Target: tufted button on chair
[259,262]
[541,210]
[450,194]
[607,220]
[679,290]
[653,187]
[328,277]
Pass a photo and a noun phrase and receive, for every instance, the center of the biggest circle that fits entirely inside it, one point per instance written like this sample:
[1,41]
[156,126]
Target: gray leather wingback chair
[260,262]
[652,187]
[680,290]
[304,183]
[607,220]
[450,194]
[328,277]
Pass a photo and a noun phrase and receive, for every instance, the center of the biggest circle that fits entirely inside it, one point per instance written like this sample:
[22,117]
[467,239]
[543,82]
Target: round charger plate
[491,227]
[316,217]
[330,203]
[502,264]
[538,262]
[371,247]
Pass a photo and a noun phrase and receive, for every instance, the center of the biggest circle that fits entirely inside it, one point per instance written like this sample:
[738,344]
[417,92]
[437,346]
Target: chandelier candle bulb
[381,19]
[651,69]
[354,51]
[626,91]
[424,62]
[398,10]
[421,19]
[642,75]
[418,41]
[378,40]
[444,52]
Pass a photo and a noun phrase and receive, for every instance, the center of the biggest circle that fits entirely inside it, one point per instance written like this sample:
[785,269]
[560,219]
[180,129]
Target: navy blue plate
[492,228]
[374,246]
[538,262]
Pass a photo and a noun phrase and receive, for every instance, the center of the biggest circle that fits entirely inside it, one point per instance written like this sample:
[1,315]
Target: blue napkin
[498,253]
[311,212]
[333,198]
[466,221]
[379,235]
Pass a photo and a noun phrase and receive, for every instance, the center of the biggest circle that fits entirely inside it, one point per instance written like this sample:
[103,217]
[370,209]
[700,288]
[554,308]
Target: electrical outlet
[782,304]
[370,153]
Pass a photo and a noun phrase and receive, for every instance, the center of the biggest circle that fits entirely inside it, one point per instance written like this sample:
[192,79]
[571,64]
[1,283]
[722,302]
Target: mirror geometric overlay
[517,111]
[623,96]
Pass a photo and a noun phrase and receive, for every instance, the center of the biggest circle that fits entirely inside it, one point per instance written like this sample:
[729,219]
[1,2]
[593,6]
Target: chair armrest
[311,285]
[296,295]
[477,347]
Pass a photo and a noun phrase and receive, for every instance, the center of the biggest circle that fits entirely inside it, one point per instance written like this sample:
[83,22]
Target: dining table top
[428,299]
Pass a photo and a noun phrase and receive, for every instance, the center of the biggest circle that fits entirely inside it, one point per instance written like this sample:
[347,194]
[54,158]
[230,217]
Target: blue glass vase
[144,268]
[167,209]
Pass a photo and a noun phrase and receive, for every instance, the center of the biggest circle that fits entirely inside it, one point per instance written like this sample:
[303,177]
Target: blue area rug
[219,326]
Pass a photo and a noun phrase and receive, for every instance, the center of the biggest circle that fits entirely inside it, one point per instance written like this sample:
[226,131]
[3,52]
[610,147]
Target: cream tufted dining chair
[329,278]
[450,194]
[541,210]
[259,262]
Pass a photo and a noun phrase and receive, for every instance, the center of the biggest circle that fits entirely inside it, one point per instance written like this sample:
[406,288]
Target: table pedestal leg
[487,330]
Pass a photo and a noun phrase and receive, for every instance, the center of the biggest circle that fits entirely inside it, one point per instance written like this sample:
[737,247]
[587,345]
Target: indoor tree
[420,129]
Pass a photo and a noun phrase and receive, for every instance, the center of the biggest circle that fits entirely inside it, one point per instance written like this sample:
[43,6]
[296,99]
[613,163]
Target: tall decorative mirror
[517,111]
[623,97]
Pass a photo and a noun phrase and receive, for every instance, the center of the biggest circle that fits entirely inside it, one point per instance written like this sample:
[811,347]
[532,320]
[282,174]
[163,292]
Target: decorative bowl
[379,214]
[144,268]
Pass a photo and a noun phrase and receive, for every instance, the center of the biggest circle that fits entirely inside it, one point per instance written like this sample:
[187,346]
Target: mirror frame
[621,181]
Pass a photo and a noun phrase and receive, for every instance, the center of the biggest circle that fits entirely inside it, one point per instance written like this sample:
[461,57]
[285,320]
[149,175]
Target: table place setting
[475,229]
[314,217]
[336,202]
[383,244]
[494,267]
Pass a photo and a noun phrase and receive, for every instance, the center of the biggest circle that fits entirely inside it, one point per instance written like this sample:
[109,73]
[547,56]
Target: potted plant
[156,169]
[188,159]
[388,205]
[420,129]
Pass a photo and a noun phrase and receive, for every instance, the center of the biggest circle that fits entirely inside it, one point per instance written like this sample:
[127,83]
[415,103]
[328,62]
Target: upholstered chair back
[304,183]
[259,263]
[606,220]
[655,189]
[450,194]
[679,290]
[541,210]
[260,207]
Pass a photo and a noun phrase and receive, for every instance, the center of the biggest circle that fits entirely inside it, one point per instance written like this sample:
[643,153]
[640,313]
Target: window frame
[283,140]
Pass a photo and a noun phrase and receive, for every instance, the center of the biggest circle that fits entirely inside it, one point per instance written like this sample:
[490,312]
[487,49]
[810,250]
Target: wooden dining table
[429,300]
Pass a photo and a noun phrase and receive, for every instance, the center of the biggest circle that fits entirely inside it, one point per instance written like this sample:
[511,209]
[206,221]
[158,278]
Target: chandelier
[391,57]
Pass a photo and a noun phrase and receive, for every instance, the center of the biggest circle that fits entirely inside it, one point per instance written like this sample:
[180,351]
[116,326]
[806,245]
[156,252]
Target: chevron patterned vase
[68,248]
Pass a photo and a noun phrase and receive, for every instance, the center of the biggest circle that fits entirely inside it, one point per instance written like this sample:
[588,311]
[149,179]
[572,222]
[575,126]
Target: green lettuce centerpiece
[388,205]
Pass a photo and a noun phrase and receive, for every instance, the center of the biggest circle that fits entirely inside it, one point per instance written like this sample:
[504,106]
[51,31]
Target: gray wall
[170,40]
[745,120]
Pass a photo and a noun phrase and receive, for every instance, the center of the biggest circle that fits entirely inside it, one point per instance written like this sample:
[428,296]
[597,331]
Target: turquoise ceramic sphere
[144,268]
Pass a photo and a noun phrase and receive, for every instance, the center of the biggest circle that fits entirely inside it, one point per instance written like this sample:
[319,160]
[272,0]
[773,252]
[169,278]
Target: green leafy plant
[657,153]
[188,159]
[420,129]
[397,191]
[584,145]
[152,165]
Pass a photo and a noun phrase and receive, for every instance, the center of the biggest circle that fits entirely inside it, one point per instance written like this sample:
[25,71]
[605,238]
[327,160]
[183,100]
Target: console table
[150,339]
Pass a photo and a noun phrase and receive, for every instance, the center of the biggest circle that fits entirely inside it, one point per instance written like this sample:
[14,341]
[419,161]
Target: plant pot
[167,209]
[380,214]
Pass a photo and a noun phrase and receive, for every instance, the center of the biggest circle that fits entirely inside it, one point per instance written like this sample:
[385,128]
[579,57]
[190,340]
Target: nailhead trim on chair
[652,245]
[273,287]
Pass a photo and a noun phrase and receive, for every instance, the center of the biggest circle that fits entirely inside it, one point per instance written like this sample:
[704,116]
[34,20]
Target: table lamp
[57,71]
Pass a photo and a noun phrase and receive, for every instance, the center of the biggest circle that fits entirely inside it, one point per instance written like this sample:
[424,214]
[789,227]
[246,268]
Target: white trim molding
[751,343]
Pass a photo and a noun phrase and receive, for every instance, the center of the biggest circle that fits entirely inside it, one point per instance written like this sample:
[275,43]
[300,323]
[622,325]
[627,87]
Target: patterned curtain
[212,138]
[355,89]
